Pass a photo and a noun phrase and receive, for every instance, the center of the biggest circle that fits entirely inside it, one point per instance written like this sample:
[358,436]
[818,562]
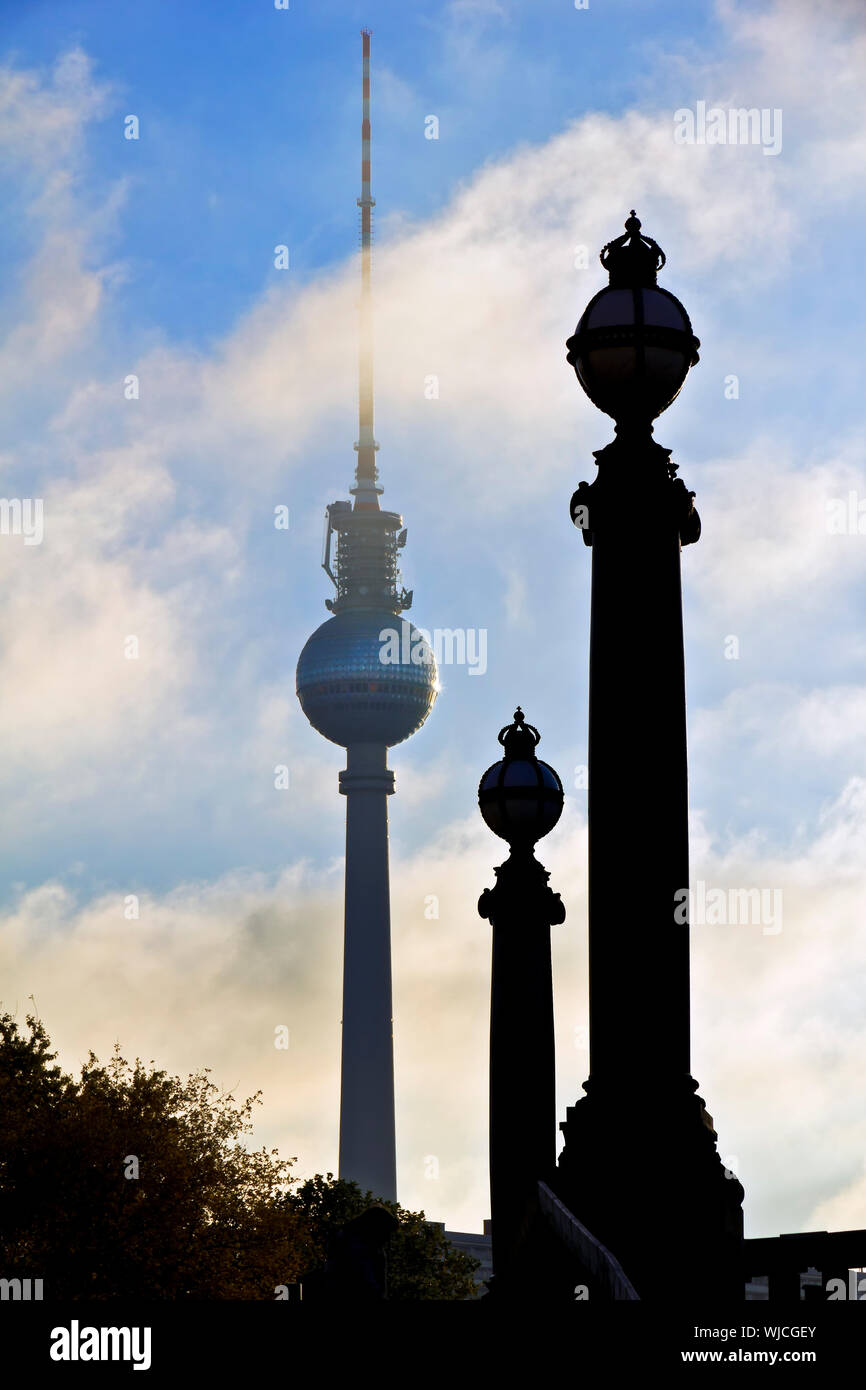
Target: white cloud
[43,116]
[210,969]
[768,536]
[483,296]
[778,1025]
[44,119]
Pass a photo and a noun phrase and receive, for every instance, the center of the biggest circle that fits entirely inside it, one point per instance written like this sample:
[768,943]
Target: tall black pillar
[640,1167]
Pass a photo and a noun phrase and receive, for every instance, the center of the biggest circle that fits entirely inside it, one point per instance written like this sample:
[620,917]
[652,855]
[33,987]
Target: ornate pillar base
[641,1170]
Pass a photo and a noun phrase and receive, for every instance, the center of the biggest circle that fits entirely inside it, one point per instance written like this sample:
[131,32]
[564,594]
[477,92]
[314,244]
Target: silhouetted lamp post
[640,1167]
[521,800]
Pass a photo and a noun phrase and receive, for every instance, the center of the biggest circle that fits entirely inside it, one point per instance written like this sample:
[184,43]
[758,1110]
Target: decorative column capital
[521,895]
[636,480]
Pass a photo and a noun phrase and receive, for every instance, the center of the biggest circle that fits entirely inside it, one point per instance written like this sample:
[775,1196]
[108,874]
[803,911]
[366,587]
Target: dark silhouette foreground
[130,1183]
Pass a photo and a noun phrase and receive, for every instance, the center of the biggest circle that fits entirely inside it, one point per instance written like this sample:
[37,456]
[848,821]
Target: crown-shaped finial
[632,260]
[519,739]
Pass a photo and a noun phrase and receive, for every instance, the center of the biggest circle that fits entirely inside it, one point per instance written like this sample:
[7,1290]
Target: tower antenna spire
[366,491]
[358,697]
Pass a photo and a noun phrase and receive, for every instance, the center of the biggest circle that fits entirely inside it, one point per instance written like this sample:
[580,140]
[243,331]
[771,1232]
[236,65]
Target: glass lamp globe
[520,797]
[634,345]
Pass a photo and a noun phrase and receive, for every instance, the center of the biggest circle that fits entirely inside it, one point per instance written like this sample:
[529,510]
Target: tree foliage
[422,1264]
[130,1183]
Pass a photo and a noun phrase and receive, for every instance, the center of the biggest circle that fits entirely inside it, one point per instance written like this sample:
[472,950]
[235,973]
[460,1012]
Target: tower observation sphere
[350,694]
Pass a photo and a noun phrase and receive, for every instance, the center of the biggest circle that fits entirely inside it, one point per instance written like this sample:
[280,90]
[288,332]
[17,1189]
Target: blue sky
[258,110]
[155,777]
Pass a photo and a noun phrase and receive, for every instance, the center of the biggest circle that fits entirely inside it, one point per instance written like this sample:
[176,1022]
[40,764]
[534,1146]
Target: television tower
[355,693]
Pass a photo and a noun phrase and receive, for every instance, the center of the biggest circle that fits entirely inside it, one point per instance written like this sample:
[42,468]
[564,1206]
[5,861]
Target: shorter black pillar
[521,800]
[521,909]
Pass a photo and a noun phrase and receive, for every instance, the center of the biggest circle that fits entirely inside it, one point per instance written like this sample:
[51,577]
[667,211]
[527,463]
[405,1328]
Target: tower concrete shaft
[367,1132]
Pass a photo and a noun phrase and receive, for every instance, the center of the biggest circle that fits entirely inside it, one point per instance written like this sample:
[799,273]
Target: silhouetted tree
[420,1261]
[130,1183]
